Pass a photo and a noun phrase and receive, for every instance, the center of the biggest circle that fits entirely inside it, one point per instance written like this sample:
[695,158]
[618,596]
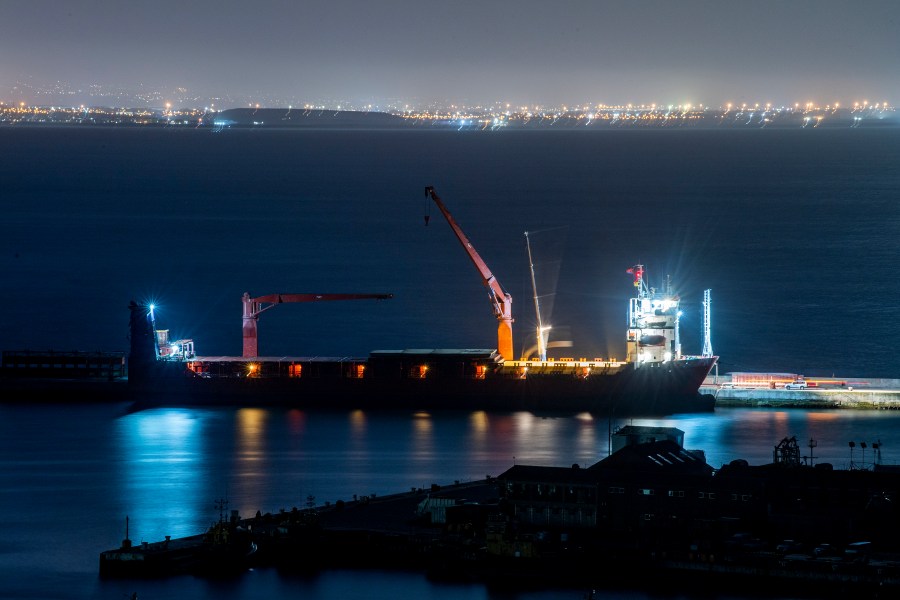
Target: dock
[853,394]
[399,530]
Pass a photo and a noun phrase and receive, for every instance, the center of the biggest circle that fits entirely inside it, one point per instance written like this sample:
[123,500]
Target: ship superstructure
[653,319]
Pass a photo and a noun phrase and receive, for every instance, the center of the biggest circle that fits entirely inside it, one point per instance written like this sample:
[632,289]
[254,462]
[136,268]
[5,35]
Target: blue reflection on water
[163,475]
[175,463]
[752,434]
[67,500]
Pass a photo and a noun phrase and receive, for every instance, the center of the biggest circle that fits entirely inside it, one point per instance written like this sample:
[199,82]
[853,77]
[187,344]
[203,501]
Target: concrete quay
[854,394]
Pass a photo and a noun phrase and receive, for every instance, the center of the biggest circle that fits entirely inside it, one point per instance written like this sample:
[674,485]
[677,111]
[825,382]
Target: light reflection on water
[175,462]
[161,456]
[67,500]
[251,457]
[752,434]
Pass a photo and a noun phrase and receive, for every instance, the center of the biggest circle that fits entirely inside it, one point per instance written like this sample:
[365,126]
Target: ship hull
[626,391]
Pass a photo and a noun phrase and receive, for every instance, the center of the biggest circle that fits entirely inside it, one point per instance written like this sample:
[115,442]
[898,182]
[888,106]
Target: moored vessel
[655,379]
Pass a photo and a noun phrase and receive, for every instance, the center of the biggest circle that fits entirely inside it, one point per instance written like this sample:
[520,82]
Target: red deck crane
[499,297]
[253,307]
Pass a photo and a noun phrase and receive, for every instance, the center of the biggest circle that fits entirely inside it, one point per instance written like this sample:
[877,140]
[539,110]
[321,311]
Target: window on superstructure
[418,371]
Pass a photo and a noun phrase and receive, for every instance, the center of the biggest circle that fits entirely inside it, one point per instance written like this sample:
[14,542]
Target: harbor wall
[849,393]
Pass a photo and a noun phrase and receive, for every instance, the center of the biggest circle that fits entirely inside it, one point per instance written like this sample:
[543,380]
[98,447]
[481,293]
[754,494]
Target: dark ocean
[794,232]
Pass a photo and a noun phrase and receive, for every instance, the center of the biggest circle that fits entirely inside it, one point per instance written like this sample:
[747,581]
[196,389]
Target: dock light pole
[863,446]
[707,329]
[852,446]
[707,336]
[812,444]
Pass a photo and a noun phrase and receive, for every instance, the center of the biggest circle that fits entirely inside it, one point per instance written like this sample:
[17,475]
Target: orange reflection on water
[250,469]
[358,421]
[523,422]
[422,448]
[422,427]
[359,430]
[478,433]
[250,429]
[480,424]
[822,417]
[587,440]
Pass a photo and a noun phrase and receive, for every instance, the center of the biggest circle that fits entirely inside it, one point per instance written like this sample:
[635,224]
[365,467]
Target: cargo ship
[439,379]
[654,379]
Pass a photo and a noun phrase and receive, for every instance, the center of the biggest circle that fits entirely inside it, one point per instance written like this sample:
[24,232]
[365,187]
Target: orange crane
[253,307]
[499,297]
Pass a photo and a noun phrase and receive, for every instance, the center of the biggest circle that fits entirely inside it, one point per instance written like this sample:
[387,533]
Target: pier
[853,394]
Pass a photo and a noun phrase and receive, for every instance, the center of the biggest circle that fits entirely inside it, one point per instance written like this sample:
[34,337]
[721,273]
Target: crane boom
[501,300]
[253,307]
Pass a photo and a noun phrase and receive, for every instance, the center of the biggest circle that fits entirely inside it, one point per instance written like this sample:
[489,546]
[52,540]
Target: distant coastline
[604,119]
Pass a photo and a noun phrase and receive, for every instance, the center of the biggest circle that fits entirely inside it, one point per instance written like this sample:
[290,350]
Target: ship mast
[542,332]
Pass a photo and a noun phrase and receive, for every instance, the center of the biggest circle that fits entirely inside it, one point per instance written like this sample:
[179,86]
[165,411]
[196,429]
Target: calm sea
[794,232]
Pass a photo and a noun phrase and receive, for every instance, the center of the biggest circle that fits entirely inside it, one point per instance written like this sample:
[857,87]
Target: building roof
[649,430]
[561,475]
[664,457]
[657,458]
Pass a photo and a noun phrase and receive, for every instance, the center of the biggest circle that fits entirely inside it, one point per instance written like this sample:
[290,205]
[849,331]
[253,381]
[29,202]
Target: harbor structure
[651,507]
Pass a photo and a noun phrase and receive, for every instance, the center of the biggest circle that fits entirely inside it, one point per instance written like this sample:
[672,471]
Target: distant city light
[496,116]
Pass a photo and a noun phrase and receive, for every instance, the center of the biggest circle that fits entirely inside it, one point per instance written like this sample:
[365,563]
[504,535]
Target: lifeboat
[652,340]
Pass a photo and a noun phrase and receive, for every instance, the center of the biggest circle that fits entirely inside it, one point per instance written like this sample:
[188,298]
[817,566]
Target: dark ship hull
[624,390]
[454,380]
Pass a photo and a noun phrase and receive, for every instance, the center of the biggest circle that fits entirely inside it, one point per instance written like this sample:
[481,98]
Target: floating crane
[253,307]
[499,297]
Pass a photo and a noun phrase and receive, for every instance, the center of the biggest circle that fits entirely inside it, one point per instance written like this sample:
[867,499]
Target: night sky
[468,52]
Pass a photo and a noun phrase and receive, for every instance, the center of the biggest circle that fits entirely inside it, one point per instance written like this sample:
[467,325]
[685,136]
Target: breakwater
[853,394]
